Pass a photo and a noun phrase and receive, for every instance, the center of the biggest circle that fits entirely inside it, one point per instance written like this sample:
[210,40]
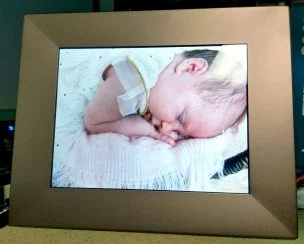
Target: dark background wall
[11,22]
[297,47]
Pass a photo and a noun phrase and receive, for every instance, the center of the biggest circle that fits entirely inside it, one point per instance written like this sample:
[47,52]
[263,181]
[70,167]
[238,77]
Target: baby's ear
[192,65]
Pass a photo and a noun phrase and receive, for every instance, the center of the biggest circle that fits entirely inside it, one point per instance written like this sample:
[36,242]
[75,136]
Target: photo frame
[269,210]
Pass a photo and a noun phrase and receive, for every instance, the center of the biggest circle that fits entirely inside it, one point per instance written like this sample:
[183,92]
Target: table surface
[10,234]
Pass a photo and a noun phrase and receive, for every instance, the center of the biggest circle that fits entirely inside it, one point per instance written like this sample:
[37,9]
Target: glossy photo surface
[181,114]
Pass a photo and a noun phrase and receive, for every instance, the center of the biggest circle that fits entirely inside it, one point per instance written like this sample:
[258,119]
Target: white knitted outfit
[138,74]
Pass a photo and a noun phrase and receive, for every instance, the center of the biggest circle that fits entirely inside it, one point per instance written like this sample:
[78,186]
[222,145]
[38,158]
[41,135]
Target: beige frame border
[270,209]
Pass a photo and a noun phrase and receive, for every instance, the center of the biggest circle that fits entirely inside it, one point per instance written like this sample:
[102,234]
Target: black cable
[234,164]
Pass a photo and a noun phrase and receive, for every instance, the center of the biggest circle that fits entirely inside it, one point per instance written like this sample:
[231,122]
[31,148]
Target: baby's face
[184,114]
[176,106]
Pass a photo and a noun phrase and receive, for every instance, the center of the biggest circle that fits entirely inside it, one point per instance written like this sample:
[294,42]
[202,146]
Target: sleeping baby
[198,94]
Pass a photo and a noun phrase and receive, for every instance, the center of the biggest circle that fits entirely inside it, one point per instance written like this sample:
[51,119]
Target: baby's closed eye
[181,117]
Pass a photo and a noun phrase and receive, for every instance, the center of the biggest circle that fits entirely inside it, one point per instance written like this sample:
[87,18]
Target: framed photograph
[175,128]
[148,162]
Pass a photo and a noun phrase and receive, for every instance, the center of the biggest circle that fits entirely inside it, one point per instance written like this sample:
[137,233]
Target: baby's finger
[168,139]
[173,135]
[148,117]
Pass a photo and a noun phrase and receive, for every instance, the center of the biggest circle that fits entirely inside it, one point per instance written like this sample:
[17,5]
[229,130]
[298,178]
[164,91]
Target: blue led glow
[11,128]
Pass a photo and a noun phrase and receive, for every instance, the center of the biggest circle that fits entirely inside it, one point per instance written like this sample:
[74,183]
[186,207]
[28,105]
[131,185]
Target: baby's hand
[170,137]
[148,117]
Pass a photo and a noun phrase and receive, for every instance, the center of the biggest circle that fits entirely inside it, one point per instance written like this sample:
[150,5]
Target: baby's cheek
[199,131]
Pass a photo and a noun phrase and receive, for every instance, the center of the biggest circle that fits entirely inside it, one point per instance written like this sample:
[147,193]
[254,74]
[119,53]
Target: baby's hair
[206,54]
[222,91]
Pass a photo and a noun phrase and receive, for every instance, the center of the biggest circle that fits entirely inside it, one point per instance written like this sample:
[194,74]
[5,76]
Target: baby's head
[199,94]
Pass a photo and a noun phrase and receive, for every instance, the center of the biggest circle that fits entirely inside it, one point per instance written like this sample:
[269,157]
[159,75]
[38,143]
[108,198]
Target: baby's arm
[133,125]
[102,114]
[104,106]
